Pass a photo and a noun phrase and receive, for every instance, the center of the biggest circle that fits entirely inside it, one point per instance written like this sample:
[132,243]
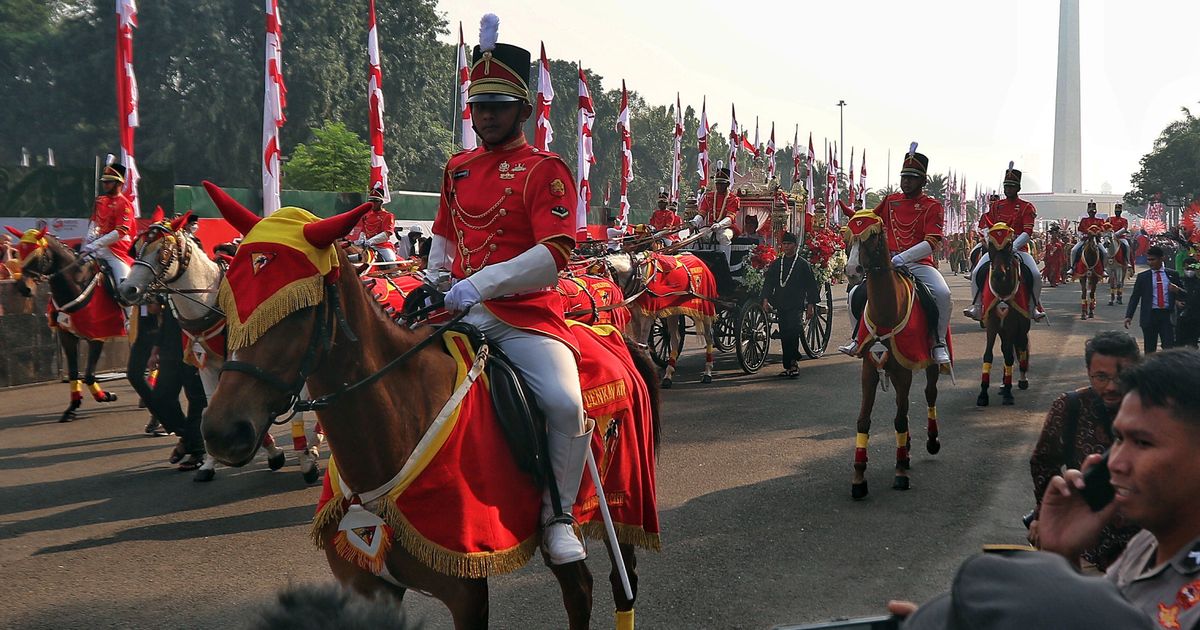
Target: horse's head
[278,325]
[36,258]
[999,243]
[866,244]
[160,253]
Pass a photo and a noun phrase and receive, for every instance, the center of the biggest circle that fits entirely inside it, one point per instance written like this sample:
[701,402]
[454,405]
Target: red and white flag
[379,169]
[862,179]
[810,204]
[127,97]
[274,102]
[702,163]
[770,154]
[851,191]
[587,118]
[626,156]
[796,156]
[544,134]
[677,159]
[464,84]
[735,140]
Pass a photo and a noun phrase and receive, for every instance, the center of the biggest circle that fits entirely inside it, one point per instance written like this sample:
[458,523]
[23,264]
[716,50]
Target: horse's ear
[180,221]
[14,231]
[235,213]
[42,234]
[323,233]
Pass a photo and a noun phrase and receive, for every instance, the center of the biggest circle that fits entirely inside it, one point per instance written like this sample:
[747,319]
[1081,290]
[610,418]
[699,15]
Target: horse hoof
[901,483]
[933,446]
[707,378]
[858,491]
[68,416]
[1006,398]
[1023,384]
[109,397]
[666,383]
[204,474]
[1120,301]
[982,401]
[312,475]
[276,461]
[1083,317]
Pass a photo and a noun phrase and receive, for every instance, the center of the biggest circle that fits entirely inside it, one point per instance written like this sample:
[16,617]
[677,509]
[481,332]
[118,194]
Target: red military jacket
[115,212]
[664,220]
[910,221]
[1018,215]
[710,208]
[1118,223]
[374,222]
[498,203]
[1087,222]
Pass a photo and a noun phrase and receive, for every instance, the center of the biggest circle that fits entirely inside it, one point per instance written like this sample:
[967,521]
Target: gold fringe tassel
[302,293]
[626,535]
[348,551]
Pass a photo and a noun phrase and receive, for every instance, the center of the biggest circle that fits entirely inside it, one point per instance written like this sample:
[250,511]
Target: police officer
[505,227]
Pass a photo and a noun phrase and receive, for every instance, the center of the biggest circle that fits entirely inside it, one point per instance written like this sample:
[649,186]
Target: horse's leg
[862,437]
[704,329]
[89,378]
[985,378]
[1121,287]
[931,378]
[1083,299]
[70,347]
[1022,345]
[1092,301]
[674,345]
[1006,348]
[624,606]
[575,580]
[902,380]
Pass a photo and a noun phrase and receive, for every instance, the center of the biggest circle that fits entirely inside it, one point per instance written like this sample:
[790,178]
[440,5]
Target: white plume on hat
[109,159]
[489,32]
[1010,165]
[912,148]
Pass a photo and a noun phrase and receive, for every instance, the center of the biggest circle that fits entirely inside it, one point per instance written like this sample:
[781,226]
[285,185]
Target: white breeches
[120,270]
[725,241]
[547,365]
[941,293]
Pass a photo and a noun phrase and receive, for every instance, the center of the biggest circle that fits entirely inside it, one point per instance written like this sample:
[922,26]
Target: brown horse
[890,302]
[1006,314]
[1089,270]
[372,428]
[77,285]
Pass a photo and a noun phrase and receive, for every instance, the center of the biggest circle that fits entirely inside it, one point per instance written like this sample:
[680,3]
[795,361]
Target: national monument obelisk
[1068,176]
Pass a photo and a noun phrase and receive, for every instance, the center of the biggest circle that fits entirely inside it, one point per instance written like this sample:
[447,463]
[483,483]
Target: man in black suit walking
[1156,290]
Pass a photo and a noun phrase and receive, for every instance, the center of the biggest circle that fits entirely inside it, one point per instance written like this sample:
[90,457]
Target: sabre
[608,526]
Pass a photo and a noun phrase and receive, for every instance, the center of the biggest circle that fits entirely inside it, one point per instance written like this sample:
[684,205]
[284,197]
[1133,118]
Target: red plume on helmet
[180,221]
[235,213]
[14,231]
[323,233]
[158,215]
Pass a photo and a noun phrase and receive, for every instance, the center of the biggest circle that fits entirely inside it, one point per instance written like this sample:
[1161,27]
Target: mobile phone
[1097,485]
[885,622]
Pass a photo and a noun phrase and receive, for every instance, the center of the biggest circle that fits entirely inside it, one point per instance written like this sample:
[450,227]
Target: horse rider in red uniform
[505,227]
[913,223]
[1017,214]
[1120,228]
[375,228]
[111,230]
[1085,225]
[718,205]
[664,218]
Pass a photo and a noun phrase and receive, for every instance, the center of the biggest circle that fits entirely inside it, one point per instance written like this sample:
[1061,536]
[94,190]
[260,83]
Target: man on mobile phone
[1155,471]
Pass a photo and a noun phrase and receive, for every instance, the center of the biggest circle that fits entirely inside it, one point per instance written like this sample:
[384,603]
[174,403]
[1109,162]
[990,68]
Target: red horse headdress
[1000,234]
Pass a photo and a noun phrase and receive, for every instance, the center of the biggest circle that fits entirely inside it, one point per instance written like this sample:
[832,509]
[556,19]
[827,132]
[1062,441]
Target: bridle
[174,249]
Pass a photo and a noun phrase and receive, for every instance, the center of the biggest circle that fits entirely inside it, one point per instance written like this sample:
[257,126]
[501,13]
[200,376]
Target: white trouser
[120,270]
[547,365]
[941,294]
[725,242]
[1079,246]
[385,254]
[1026,259]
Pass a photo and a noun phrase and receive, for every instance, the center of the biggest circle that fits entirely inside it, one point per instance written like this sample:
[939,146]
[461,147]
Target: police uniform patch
[560,211]
[461,174]
[558,188]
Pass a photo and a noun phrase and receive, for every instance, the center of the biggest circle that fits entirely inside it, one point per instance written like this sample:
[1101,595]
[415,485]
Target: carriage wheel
[753,337]
[819,329]
[660,343]
[725,330]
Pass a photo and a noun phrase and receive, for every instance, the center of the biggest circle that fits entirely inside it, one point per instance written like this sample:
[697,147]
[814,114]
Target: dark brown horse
[1089,270]
[1003,315]
[75,282]
[372,430]
[890,300]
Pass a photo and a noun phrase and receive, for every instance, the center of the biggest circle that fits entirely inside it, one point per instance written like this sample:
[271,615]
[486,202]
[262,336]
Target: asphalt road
[97,531]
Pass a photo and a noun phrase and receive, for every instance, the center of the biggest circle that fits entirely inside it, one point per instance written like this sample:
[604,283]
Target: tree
[337,160]
[1170,166]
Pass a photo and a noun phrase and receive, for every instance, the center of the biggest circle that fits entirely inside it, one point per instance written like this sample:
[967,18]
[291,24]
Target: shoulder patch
[560,211]
[558,188]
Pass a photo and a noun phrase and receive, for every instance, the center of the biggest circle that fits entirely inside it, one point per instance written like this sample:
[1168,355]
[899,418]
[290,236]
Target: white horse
[172,261]
[629,272]
[1116,271]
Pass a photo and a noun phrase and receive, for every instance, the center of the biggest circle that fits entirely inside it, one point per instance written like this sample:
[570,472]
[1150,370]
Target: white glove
[898,261]
[1021,240]
[533,269]
[88,248]
[912,254]
[105,240]
[723,223]
[361,240]
[377,239]
[462,296]
[698,220]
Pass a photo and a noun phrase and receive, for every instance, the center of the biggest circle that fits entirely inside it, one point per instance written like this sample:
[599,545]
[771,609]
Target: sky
[972,81]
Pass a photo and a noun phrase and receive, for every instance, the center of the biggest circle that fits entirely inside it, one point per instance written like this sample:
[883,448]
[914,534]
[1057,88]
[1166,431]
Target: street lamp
[841,105]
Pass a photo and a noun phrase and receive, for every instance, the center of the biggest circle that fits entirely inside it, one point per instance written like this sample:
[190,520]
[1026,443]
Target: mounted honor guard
[1017,214]
[715,207]
[913,223]
[504,230]
[1120,228]
[112,227]
[1086,224]
[375,228]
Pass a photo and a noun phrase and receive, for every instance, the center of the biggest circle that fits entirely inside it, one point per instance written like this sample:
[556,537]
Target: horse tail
[649,373]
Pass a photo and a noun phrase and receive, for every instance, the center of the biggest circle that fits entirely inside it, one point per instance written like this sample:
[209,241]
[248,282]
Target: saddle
[858,301]
[1026,276]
